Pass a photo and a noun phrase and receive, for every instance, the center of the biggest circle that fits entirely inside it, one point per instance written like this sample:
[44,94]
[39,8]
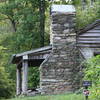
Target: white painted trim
[25,57]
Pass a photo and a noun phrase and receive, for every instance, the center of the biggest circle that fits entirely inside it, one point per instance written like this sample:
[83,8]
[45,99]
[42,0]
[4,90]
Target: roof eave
[15,57]
[89,27]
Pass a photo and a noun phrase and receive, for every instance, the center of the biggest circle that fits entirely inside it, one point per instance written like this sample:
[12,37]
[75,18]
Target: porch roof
[34,57]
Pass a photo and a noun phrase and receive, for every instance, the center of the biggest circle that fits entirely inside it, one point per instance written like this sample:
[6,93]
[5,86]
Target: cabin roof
[37,52]
[89,37]
[89,27]
[34,51]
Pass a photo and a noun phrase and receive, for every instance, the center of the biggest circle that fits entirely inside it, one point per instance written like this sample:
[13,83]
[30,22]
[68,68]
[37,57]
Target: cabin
[88,40]
[59,63]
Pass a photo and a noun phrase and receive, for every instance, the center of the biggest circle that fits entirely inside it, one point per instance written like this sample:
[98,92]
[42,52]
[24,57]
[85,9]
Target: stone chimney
[58,71]
[62,23]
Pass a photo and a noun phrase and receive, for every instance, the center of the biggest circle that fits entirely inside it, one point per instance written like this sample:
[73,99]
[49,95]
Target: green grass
[52,97]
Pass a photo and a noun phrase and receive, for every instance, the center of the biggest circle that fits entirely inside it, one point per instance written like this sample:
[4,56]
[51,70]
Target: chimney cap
[63,8]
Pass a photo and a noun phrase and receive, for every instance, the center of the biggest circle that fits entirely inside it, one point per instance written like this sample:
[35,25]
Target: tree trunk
[12,22]
[14,25]
[42,21]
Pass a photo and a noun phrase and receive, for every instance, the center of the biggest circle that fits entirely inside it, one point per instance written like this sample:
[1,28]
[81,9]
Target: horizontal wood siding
[90,39]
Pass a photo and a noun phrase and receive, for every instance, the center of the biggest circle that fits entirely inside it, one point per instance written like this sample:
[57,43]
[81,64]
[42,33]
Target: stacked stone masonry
[58,72]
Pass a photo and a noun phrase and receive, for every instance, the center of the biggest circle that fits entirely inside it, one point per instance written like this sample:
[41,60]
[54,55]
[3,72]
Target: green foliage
[92,73]
[92,70]
[62,2]
[88,15]
[6,84]
[34,78]
[77,2]
[25,18]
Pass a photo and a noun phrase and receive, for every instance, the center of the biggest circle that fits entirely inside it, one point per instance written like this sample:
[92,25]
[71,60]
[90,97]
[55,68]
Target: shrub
[92,73]
[6,84]
[34,78]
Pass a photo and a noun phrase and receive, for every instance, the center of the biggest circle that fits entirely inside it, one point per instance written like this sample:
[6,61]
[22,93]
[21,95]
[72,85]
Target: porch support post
[18,81]
[24,74]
